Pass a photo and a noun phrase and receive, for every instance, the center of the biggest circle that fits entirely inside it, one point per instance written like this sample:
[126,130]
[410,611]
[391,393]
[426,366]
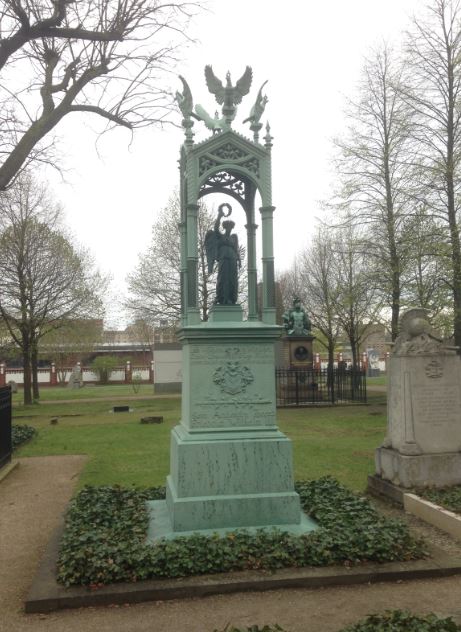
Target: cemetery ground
[121,450]
[92,445]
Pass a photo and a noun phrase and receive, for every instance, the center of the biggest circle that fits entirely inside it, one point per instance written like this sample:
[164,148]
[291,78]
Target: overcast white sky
[311,53]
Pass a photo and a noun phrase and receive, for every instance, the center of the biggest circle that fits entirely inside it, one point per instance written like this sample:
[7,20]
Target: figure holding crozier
[224,248]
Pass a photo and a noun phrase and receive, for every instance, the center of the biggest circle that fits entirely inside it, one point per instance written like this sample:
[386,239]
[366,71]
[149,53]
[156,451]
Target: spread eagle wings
[243,85]
[202,115]
[215,86]
[241,88]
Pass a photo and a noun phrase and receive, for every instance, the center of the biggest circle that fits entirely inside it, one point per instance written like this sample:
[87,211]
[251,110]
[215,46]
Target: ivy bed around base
[389,621]
[106,527]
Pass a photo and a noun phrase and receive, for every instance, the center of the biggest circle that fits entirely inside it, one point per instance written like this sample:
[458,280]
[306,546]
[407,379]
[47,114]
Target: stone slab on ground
[377,486]
[444,519]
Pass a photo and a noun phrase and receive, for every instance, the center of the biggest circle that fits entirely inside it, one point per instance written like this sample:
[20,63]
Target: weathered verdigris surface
[423,442]
[230,465]
[232,386]
[224,248]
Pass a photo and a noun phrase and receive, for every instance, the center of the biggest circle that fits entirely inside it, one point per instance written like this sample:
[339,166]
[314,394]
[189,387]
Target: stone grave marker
[423,442]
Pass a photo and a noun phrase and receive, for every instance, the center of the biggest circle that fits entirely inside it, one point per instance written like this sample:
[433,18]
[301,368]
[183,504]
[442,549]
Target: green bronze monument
[298,342]
[230,466]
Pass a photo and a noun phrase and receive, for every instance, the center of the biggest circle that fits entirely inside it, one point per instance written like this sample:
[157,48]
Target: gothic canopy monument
[230,465]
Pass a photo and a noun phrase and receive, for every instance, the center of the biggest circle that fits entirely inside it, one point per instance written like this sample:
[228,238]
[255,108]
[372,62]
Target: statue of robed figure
[224,248]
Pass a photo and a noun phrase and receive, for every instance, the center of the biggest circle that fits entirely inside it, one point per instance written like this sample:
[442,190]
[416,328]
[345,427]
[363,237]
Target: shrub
[20,434]
[136,381]
[103,367]
[106,526]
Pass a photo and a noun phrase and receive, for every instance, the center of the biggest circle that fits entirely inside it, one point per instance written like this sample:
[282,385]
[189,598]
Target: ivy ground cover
[389,621]
[106,528]
[447,497]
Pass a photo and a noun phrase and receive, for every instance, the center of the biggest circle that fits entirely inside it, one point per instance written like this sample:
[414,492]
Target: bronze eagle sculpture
[184,100]
[228,96]
[258,108]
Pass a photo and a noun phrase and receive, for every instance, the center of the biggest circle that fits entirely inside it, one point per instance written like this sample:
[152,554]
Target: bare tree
[434,84]
[141,332]
[154,285]
[357,301]
[376,172]
[45,279]
[103,57]
[316,275]
[425,283]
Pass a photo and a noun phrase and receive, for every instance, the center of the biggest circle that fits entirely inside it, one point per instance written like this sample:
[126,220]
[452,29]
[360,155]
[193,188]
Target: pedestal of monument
[423,443]
[298,352]
[230,465]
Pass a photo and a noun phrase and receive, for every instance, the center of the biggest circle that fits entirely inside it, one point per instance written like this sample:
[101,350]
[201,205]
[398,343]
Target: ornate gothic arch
[231,164]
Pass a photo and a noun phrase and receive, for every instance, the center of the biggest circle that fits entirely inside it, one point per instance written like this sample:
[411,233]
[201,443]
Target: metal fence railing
[304,387]
[5,425]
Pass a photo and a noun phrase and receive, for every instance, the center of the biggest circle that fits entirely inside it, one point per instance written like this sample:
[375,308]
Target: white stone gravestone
[423,442]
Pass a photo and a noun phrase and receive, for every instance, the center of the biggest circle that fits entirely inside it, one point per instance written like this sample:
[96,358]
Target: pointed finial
[268,138]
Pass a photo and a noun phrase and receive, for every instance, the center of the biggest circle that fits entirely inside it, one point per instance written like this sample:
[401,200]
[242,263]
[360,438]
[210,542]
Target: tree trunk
[27,373]
[355,352]
[34,366]
[451,208]
[393,254]
[331,352]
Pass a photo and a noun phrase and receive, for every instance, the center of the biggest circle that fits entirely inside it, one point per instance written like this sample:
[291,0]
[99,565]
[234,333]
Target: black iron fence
[5,425]
[303,387]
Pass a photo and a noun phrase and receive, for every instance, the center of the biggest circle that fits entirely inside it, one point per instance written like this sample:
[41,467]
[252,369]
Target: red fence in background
[54,376]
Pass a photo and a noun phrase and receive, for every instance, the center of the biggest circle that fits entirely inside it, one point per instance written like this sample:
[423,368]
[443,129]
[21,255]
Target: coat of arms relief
[233,377]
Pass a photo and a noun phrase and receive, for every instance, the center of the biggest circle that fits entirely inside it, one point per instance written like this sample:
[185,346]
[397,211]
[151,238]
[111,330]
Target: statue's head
[297,303]
[228,225]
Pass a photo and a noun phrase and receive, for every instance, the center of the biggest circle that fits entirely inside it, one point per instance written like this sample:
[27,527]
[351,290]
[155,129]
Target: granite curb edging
[46,595]
[425,510]
[8,468]
[436,515]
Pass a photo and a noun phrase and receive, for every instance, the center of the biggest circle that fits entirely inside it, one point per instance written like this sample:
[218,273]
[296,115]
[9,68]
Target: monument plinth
[423,442]
[230,466]
[298,341]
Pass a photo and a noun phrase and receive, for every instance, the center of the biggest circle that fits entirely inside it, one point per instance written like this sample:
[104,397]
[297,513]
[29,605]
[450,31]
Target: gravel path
[32,499]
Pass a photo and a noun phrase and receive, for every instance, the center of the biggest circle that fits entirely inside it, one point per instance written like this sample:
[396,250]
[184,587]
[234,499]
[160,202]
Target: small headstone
[53,421]
[151,420]
[75,379]
[373,363]
[13,385]
[121,409]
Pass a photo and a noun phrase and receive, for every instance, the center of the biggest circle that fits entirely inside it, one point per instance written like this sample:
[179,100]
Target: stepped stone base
[230,480]
[422,470]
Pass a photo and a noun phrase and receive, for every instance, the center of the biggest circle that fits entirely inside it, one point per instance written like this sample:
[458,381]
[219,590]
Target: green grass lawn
[378,381]
[333,440]
[59,393]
